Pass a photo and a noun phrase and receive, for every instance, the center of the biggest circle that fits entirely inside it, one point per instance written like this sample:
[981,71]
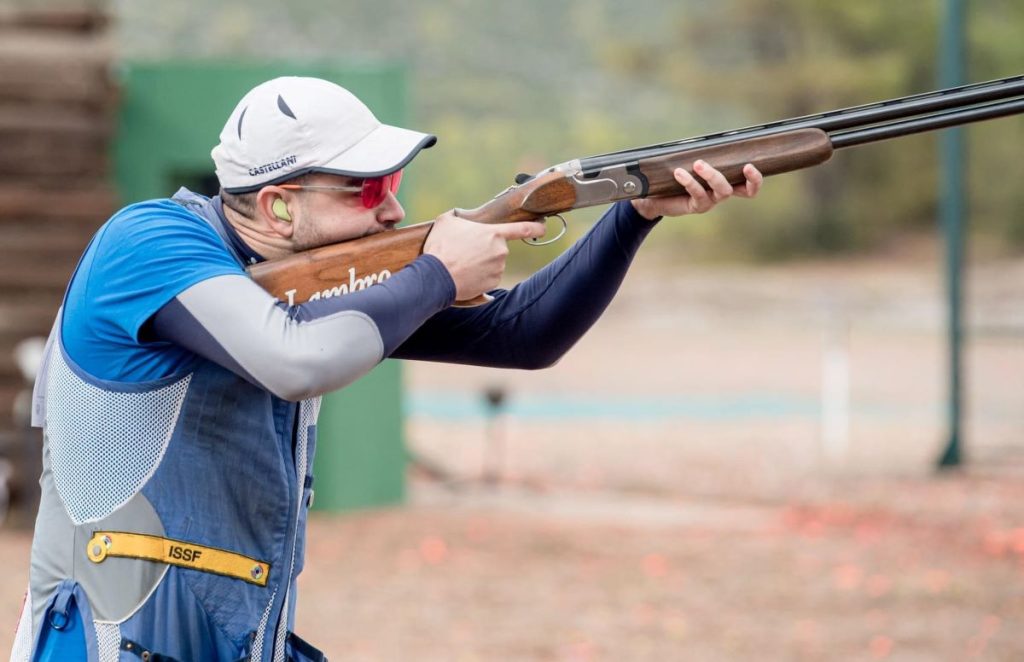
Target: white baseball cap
[291,126]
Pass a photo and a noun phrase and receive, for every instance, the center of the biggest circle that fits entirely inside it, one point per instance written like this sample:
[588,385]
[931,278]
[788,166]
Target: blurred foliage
[795,57]
[514,87]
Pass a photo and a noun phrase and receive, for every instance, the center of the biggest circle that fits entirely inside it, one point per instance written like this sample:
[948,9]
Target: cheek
[341,227]
[327,229]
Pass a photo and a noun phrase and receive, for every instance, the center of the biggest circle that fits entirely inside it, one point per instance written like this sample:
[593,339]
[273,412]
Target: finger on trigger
[535,229]
[520,230]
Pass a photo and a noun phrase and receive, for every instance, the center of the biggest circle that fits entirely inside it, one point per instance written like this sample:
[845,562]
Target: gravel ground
[560,576]
[664,493]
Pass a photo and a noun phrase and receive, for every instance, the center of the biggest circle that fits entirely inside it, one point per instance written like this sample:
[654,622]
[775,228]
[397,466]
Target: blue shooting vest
[202,461]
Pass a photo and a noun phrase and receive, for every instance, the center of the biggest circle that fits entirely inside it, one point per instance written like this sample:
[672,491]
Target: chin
[378,230]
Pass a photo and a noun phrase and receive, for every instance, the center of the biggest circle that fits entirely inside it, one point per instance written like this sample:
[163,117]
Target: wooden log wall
[58,102]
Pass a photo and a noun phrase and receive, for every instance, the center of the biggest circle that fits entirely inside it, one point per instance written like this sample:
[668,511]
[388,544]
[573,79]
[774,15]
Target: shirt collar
[212,209]
[248,255]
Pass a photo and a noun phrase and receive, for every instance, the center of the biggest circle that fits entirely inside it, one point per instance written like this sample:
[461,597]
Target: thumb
[520,230]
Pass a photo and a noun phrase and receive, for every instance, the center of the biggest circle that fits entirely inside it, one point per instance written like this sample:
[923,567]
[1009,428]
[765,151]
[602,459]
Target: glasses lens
[396,180]
[375,190]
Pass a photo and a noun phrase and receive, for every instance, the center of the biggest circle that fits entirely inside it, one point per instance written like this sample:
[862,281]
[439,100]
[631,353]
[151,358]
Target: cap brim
[384,150]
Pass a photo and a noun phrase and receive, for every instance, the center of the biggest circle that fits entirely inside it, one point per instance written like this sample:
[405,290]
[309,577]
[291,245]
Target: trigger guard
[565,228]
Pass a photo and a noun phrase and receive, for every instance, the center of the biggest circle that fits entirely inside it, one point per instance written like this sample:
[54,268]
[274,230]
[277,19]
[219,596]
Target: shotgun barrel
[860,124]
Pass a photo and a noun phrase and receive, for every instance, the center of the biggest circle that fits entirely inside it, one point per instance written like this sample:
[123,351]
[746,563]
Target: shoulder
[156,220]
[143,257]
[158,233]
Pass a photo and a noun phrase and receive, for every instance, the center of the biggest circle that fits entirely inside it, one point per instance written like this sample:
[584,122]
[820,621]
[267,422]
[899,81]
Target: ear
[279,219]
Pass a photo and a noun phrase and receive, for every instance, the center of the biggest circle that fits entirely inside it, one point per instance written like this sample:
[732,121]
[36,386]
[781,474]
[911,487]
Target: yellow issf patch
[183,554]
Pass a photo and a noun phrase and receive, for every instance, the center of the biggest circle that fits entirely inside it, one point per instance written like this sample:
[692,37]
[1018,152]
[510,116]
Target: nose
[390,211]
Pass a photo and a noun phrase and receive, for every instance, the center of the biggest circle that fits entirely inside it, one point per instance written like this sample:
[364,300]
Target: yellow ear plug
[281,210]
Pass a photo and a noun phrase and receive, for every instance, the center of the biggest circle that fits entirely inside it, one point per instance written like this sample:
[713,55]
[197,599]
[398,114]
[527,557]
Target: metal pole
[951,145]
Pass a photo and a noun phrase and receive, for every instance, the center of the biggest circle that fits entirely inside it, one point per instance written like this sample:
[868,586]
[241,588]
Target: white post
[835,385]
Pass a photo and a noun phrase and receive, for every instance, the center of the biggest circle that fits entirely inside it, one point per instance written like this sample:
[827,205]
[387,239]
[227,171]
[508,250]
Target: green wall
[170,117]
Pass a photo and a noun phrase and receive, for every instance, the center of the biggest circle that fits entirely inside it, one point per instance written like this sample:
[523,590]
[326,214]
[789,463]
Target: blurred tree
[786,58]
[996,195]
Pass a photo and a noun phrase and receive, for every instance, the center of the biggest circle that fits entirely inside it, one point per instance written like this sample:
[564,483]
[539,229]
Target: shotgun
[774,148]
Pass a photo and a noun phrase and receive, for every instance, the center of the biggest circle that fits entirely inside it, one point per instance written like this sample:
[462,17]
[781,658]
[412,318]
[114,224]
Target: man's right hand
[474,253]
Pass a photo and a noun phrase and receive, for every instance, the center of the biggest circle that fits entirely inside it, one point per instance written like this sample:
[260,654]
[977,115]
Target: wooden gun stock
[339,269]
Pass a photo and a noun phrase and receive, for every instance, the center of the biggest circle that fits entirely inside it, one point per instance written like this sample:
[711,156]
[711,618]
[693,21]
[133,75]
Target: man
[179,400]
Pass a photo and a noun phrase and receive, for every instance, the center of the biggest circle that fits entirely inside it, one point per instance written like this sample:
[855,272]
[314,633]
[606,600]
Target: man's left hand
[699,200]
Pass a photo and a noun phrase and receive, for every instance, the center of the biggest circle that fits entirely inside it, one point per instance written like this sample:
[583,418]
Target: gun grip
[474,302]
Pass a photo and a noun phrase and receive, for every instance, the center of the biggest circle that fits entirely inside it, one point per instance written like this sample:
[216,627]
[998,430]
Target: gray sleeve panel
[292,359]
[173,323]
